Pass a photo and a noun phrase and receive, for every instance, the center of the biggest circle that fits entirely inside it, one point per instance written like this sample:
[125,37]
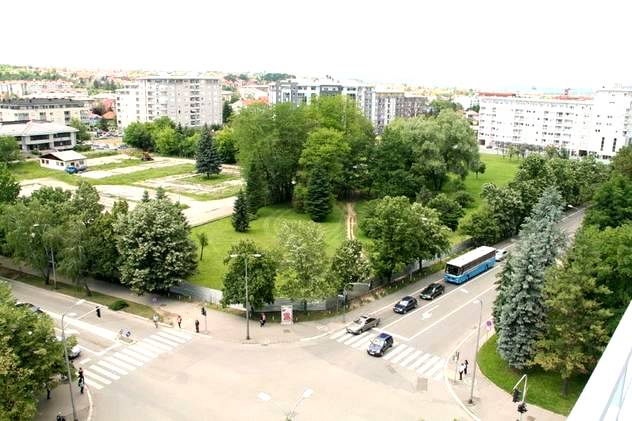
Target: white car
[74,352]
[501,254]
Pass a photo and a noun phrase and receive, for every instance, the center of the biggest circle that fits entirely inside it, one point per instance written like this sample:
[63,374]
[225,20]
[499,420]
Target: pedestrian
[465,368]
[156,320]
[81,372]
[81,384]
[60,417]
[197,326]
[47,392]
[262,319]
[461,369]
[179,319]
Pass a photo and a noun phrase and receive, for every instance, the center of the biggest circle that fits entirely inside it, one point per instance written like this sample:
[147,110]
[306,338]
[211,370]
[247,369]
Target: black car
[32,307]
[405,305]
[380,344]
[432,291]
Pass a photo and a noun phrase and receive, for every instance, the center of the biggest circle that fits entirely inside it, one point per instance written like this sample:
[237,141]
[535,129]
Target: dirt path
[351,222]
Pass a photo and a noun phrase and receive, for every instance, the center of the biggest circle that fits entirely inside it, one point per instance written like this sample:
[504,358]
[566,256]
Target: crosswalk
[111,367]
[425,364]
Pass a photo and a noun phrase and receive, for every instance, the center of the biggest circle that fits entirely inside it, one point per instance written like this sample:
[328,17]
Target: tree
[161,194]
[464,199]
[85,201]
[139,135]
[303,264]
[104,124]
[99,109]
[241,216]
[226,146]
[82,133]
[145,197]
[9,186]
[440,104]
[102,254]
[262,272]
[207,159]
[155,246]
[327,150]
[449,210]
[203,240]
[256,188]
[73,258]
[318,202]
[227,111]
[481,226]
[478,166]
[622,162]
[9,150]
[506,206]
[167,140]
[522,296]
[349,264]
[612,205]
[30,357]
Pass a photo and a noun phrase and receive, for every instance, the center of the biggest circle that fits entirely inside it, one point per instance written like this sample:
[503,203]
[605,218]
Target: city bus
[470,264]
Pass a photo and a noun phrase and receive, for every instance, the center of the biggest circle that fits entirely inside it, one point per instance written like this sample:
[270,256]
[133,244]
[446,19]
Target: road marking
[428,313]
[164,340]
[146,350]
[180,334]
[155,344]
[435,369]
[85,360]
[89,350]
[104,372]
[112,367]
[116,345]
[410,358]
[89,375]
[428,364]
[314,337]
[395,352]
[356,338]
[99,331]
[420,361]
[465,291]
[364,342]
[135,354]
[121,364]
[402,355]
[172,337]
[344,338]
[338,334]
[128,359]
[450,313]
[92,384]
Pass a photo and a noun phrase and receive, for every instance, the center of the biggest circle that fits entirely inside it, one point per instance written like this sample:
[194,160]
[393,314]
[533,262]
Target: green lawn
[211,181]
[28,170]
[219,194]
[119,164]
[138,176]
[544,388]
[263,231]
[98,154]
[499,170]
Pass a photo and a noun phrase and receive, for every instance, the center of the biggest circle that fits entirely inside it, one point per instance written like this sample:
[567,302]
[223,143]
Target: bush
[464,199]
[118,305]
[455,185]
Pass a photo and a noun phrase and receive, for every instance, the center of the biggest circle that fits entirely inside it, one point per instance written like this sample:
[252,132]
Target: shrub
[118,305]
[464,199]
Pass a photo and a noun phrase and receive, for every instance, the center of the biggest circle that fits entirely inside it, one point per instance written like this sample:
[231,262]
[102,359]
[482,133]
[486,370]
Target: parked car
[432,291]
[363,324]
[71,170]
[32,307]
[405,305]
[82,168]
[501,254]
[380,344]
[73,352]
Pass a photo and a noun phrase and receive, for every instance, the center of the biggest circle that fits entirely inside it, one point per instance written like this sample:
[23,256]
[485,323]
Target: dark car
[432,291]
[405,305]
[32,307]
[362,324]
[380,344]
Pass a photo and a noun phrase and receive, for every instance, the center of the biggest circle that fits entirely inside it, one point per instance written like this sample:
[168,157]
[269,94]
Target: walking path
[351,222]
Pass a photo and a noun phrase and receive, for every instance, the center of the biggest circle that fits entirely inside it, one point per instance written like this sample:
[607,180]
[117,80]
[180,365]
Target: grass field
[98,154]
[220,194]
[499,170]
[212,181]
[544,388]
[263,231]
[137,177]
[28,170]
[119,164]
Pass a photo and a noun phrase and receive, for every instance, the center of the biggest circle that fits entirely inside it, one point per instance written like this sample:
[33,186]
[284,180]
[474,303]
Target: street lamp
[63,339]
[344,295]
[307,393]
[478,338]
[52,254]
[245,256]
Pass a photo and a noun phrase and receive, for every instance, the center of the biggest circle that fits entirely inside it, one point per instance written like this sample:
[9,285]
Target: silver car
[501,254]
[363,324]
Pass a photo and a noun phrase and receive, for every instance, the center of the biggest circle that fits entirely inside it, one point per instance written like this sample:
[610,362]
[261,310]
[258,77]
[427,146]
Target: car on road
[501,254]
[432,291]
[73,352]
[363,324]
[380,344]
[405,305]
[32,307]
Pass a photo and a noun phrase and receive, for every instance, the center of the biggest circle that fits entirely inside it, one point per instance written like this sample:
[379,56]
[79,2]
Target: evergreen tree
[160,193]
[256,187]
[520,302]
[145,197]
[241,218]
[207,159]
[318,203]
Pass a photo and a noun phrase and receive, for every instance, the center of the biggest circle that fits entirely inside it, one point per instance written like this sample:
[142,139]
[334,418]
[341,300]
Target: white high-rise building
[187,100]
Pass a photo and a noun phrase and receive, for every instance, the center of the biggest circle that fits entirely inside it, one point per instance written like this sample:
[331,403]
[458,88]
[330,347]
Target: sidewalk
[59,402]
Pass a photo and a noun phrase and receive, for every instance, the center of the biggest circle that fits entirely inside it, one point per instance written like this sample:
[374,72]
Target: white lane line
[121,364]
[364,342]
[428,364]
[89,350]
[439,376]
[410,358]
[338,334]
[112,367]
[344,338]
[104,372]
[420,361]
[157,345]
[99,331]
[91,375]
[84,361]
[180,334]
[105,351]
[135,354]
[164,340]
[435,369]
[394,335]
[464,291]
[451,313]
[395,352]
[355,338]
[172,337]
[402,355]
[145,350]
[93,384]
[128,359]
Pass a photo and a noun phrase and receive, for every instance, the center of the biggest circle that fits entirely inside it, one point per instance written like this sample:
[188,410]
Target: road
[168,374]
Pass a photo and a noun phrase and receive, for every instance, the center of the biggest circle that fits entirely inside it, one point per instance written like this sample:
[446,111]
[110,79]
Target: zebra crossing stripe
[90,375]
[364,342]
[410,358]
[429,364]
[92,384]
[156,344]
[121,364]
[104,372]
[435,369]
[419,361]
[439,376]
[180,334]
[356,338]
[166,341]
[172,337]
[338,334]
[128,359]
[395,352]
[136,354]
[402,355]
[146,350]
[112,367]
[345,337]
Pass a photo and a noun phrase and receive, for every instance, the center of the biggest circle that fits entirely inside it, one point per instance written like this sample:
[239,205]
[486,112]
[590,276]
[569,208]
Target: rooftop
[30,102]
[32,128]
[172,77]
[65,155]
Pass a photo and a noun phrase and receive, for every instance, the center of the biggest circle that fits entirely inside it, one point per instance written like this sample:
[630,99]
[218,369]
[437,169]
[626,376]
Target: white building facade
[389,105]
[55,110]
[40,135]
[190,101]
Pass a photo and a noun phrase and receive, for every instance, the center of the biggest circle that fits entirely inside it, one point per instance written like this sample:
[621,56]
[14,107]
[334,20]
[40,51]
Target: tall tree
[241,216]
[227,111]
[203,241]
[9,186]
[82,133]
[622,162]
[103,256]
[349,264]
[327,150]
[207,159]
[9,150]
[226,146]
[139,135]
[612,205]
[318,201]
[256,187]
[449,210]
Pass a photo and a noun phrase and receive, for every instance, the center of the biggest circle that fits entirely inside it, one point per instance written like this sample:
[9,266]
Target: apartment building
[389,105]
[56,110]
[187,100]
[40,135]
[599,125]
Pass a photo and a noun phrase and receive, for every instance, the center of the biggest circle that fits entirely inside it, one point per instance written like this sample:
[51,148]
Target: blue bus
[470,264]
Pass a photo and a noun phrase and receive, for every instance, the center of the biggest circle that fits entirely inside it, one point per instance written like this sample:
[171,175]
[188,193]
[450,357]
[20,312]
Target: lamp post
[63,339]
[245,256]
[344,294]
[478,337]
[292,414]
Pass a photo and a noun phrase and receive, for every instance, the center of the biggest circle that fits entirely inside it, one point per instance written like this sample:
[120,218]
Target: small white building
[62,160]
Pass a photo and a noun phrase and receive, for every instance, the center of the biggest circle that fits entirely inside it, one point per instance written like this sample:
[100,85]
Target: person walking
[461,369]
[81,384]
[465,367]
[156,320]
[60,417]
[197,326]
[179,319]
[81,372]
[262,319]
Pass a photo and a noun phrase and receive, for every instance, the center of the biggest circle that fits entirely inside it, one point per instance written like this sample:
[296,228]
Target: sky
[484,44]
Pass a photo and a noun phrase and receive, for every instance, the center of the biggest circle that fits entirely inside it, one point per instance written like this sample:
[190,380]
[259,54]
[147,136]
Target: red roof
[109,115]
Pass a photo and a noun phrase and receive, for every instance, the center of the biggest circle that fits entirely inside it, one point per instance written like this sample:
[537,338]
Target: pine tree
[256,187]
[207,159]
[241,218]
[145,197]
[520,305]
[160,193]
[318,203]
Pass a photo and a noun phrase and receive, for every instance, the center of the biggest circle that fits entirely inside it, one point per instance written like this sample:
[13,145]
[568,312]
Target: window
[614,144]
[603,139]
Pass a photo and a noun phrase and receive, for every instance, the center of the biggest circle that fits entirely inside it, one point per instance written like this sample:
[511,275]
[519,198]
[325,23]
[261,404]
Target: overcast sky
[478,44]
